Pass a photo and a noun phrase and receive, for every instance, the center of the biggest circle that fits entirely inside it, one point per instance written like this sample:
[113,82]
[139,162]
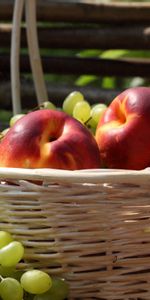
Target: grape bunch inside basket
[91,227]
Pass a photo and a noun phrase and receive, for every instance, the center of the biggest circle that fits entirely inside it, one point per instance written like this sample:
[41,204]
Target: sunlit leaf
[112,54]
[85,79]
[108,82]
[90,53]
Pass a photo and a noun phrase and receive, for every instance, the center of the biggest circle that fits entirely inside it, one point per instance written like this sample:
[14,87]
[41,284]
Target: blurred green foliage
[99,81]
[113,82]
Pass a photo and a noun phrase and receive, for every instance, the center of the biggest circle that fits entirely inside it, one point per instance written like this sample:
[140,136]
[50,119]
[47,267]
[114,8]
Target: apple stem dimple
[52,139]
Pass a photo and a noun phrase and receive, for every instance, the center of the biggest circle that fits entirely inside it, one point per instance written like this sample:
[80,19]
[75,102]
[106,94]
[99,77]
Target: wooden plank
[6,9]
[84,11]
[124,37]
[95,66]
[92,11]
[76,65]
[106,37]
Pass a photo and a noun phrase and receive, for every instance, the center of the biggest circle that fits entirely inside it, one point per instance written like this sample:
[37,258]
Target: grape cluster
[74,105]
[32,284]
[77,106]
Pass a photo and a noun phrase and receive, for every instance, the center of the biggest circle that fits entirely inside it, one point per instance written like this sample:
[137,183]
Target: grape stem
[37,107]
[86,122]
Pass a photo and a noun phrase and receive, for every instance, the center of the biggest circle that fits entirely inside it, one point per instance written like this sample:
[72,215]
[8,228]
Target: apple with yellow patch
[49,139]
[123,133]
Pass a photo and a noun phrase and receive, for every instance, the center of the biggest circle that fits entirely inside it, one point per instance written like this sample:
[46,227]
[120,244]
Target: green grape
[48,105]
[11,254]
[11,289]
[71,100]
[3,132]
[91,125]
[5,238]
[97,111]
[58,291]
[15,118]
[82,111]
[36,281]
[60,287]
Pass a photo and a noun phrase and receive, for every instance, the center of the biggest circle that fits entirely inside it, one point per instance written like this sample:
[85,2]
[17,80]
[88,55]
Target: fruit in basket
[123,132]
[58,291]
[15,118]
[5,238]
[49,139]
[75,105]
[48,105]
[11,254]
[30,284]
[3,133]
[10,288]
[82,111]
[97,111]
[71,100]
[36,281]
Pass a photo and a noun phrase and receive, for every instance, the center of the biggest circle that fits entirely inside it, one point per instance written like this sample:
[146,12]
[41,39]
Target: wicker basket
[90,226]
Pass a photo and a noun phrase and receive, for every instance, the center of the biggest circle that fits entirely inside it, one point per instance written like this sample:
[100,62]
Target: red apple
[123,133]
[49,139]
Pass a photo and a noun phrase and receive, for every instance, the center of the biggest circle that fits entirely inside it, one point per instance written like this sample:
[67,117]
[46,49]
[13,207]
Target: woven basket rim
[78,176]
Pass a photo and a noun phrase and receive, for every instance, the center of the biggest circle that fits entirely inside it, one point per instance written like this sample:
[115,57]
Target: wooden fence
[78,25]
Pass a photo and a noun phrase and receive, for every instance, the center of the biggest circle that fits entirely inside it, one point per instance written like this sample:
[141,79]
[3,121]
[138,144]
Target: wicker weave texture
[97,236]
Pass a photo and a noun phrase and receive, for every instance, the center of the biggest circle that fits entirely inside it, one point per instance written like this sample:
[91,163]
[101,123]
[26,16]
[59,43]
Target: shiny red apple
[123,133]
[49,139]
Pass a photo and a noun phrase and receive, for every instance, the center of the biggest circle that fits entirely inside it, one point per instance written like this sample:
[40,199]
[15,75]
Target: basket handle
[15,59]
[34,54]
